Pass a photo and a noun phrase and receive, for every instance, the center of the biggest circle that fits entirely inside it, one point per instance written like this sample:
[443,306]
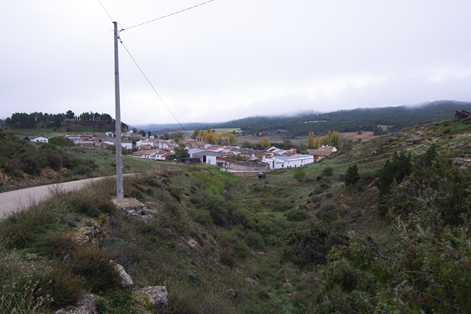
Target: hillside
[24,164]
[317,242]
[366,119]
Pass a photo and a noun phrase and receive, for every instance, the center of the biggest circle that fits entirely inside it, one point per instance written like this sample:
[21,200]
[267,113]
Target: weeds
[93,266]
[23,297]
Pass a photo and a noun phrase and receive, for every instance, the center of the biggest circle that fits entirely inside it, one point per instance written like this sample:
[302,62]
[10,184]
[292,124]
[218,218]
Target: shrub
[201,216]
[107,206]
[18,235]
[297,215]
[90,201]
[93,266]
[62,285]
[13,166]
[393,171]
[61,141]
[82,169]
[326,211]
[328,171]
[54,160]
[31,164]
[307,247]
[225,256]
[120,302]
[183,302]
[22,297]
[299,174]
[175,192]
[59,245]
[351,176]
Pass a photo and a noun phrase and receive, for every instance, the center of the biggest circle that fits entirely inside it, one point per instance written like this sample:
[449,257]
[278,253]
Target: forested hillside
[365,119]
[22,120]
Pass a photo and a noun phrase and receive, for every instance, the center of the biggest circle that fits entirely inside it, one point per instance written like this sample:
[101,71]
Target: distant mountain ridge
[364,119]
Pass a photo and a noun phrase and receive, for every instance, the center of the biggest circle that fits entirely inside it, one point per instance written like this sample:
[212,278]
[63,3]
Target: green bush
[23,296]
[201,216]
[31,163]
[225,256]
[326,211]
[61,141]
[93,266]
[311,246]
[351,176]
[120,302]
[297,215]
[328,171]
[64,287]
[59,245]
[299,174]
[393,171]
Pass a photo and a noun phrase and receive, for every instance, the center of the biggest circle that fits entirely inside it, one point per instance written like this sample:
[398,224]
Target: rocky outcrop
[458,115]
[126,280]
[86,306]
[132,207]
[93,231]
[156,297]
[461,163]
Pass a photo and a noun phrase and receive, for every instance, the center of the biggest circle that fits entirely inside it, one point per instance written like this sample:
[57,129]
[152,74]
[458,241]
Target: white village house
[280,162]
[38,139]
[127,146]
[206,156]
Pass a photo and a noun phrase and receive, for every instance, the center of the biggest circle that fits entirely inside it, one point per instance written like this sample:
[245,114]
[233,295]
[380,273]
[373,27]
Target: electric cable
[105,10]
[152,86]
[135,62]
[162,17]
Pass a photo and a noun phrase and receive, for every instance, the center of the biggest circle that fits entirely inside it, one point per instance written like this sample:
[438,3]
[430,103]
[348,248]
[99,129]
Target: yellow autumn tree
[209,136]
[335,139]
[226,138]
[332,138]
[265,142]
[310,140]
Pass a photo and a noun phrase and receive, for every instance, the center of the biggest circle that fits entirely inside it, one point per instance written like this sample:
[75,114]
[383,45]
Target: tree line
[22,120]
[361,119]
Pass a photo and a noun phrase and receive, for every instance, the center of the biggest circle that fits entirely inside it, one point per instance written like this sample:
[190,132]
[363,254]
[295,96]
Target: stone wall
[246,174]
[246,166]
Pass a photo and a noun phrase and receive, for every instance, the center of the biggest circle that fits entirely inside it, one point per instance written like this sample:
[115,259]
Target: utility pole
[119,155]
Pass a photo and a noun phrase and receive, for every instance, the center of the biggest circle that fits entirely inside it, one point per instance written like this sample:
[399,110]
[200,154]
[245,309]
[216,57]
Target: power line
[162,17]
[105,10]
[151,85]
[134,60]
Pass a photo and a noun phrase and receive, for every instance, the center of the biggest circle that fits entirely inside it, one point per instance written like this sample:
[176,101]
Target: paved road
[15,200]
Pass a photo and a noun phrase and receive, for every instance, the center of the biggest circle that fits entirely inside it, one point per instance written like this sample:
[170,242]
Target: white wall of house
[211,160]
[281,162]
[127,146]
[139,143]
[40,139]
[156,156]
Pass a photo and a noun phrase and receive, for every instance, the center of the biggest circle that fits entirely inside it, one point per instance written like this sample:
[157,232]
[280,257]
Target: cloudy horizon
[228,60]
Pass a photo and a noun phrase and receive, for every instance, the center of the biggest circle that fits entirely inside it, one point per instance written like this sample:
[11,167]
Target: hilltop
[335,238]
[379,120]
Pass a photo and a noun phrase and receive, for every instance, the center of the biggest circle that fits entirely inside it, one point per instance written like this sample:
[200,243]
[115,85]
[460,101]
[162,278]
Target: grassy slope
[104,162]
[240,225]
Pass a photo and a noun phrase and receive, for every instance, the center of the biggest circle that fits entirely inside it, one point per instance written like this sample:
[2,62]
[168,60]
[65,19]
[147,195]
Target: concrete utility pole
[119,155]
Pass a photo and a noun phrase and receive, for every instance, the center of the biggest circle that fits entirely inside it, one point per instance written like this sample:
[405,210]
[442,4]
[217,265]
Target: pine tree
[351,176]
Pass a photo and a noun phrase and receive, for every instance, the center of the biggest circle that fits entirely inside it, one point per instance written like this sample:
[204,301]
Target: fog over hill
[343,120]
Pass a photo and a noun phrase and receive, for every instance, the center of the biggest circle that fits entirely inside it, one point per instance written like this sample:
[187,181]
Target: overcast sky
[231,59]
